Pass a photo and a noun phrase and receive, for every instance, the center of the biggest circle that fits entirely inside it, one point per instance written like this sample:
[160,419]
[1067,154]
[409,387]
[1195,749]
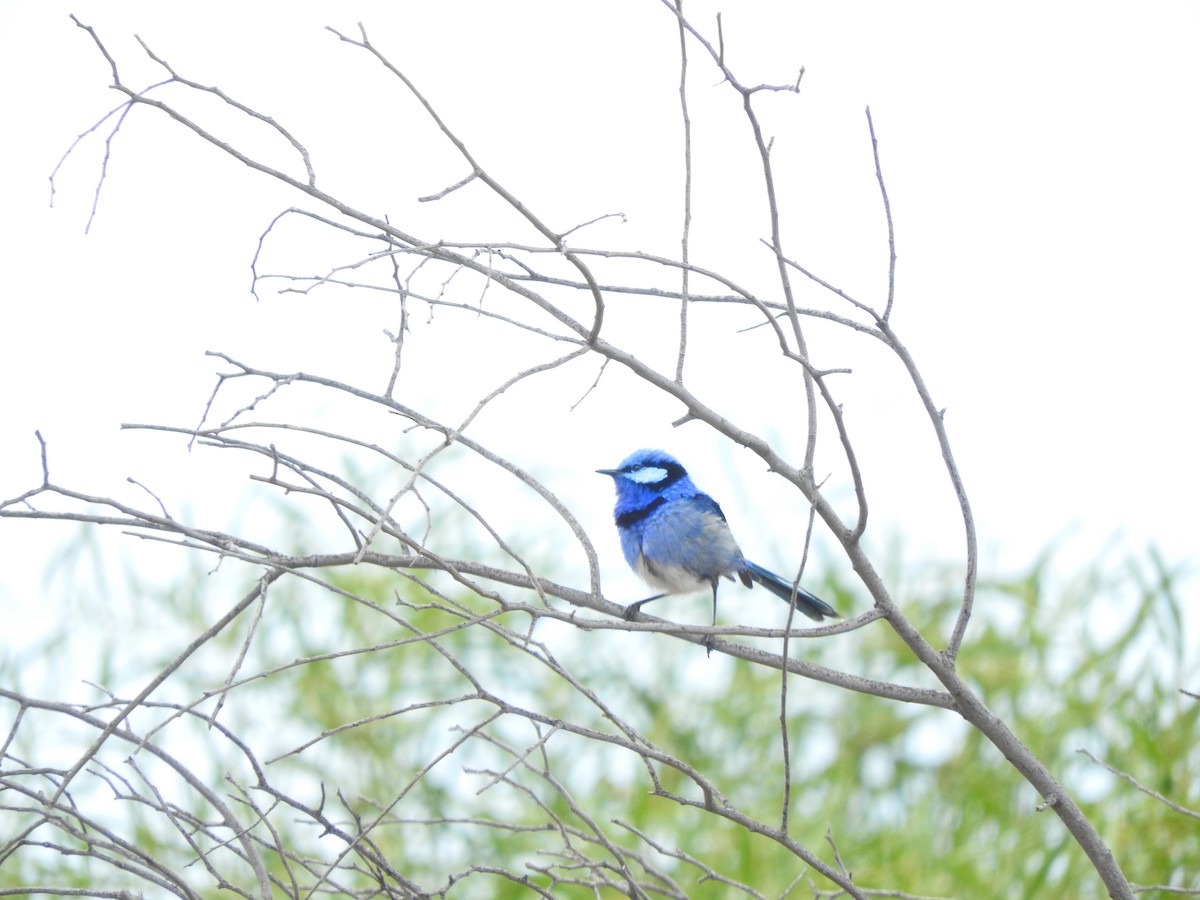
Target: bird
[675,537]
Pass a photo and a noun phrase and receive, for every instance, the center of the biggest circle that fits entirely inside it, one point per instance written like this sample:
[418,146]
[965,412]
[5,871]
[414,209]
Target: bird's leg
[711,639]
[632,609]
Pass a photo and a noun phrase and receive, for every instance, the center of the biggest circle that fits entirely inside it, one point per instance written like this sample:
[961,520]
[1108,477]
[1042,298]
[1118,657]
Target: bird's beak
[611,473]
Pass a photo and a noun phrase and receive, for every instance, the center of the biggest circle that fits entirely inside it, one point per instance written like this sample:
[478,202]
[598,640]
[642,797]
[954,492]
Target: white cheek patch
[647,475]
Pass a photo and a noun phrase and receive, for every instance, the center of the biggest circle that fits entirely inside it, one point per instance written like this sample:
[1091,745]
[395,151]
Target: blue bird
[676,537]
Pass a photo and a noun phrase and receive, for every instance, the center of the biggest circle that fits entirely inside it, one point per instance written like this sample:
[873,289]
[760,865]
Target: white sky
[1041,161]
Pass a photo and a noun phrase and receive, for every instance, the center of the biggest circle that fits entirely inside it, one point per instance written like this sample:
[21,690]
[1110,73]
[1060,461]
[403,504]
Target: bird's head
[646,473]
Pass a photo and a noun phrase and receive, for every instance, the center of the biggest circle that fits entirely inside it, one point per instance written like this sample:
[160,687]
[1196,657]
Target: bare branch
[887,209]
[449,644]
[1150,792]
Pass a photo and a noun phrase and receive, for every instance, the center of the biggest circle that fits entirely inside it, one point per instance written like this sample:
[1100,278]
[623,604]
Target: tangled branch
[485,619]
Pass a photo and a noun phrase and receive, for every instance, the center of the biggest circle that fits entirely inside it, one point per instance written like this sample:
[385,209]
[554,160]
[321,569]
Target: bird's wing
[705,502]
[691,533]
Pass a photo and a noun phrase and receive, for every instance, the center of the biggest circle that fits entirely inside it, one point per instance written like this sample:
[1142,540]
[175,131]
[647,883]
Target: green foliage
[1094,665]
[353,708]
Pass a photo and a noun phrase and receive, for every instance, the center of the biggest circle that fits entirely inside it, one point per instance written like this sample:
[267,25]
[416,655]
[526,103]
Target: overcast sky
[1041,160]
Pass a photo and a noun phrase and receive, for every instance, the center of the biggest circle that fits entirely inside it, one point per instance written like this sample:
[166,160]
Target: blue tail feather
[810,605]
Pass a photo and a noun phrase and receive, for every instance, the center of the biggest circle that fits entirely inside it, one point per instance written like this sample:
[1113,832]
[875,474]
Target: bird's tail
[811,606]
